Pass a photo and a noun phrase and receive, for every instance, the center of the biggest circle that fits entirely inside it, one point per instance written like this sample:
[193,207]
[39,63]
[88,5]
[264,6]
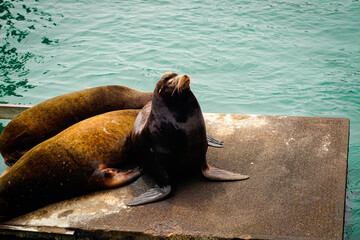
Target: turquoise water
[299,58]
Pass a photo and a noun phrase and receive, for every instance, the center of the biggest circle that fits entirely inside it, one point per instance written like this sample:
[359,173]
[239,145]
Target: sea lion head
[172,84]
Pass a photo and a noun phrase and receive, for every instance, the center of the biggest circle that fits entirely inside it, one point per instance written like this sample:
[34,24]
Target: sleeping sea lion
[85,157]
[50,117]
[169,139]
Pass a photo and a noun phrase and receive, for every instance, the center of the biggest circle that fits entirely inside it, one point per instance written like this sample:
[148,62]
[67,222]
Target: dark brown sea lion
[50,117]
[82,158]
[169,139]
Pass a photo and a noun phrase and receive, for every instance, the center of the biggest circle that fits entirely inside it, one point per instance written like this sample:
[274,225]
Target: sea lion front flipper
[152,195]
[112,177]
[213,142]
[216,174]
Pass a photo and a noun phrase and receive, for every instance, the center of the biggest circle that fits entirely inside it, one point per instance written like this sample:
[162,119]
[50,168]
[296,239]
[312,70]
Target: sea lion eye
[169,76]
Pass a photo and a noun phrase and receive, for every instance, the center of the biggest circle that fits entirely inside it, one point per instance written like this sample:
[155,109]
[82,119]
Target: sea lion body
[50,117]
[180,148]
[82,158]
[169,139]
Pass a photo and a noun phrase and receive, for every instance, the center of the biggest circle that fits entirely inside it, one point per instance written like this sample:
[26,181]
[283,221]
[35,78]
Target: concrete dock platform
[296,190]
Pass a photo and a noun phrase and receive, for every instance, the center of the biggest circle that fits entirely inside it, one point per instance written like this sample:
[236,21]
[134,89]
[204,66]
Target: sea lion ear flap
[161,91]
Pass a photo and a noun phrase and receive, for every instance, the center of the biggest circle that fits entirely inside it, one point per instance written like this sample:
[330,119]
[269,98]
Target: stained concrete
[296,190]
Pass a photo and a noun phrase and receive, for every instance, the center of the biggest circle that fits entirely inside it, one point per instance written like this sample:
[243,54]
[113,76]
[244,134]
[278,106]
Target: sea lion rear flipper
[152,195]
[213,142]
[112,177]
[216,174]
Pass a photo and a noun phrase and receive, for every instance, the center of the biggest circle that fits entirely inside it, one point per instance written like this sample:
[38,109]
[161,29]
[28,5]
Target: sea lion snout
[184,82]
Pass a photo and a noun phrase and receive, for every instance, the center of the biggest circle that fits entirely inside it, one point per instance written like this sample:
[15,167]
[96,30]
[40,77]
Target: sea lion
[50,117]
[82,158]
[169,139]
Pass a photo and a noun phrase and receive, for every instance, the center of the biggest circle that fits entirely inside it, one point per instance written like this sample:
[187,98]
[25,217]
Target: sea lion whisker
[173,91]
[179,87]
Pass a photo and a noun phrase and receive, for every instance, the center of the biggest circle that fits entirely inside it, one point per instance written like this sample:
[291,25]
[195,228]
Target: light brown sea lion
[84,157]
[169,139]
[50,117]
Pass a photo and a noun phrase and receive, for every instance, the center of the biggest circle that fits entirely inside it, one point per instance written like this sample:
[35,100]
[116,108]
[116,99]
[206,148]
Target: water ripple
[258,57]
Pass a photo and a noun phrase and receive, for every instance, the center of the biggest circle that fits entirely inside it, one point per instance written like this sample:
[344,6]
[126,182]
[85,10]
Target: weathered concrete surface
[296,190]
